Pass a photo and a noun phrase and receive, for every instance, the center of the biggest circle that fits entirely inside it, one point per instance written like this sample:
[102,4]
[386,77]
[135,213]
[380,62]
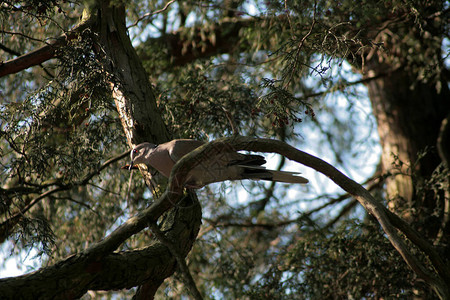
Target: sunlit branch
[174,192]
[41,54]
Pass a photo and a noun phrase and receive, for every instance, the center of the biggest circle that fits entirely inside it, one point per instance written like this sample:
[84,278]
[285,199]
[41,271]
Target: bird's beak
[131,166]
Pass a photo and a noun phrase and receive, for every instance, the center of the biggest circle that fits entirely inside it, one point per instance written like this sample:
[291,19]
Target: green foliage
[55,138]
[200,102]
[356,261]
[34,8]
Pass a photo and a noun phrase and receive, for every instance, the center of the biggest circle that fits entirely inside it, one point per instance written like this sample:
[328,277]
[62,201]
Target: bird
[216,168]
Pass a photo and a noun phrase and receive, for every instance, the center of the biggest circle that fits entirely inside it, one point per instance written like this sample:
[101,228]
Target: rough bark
[135,102]
[138,112]
[409,121]
[409,114]
[409,109]
[133,93]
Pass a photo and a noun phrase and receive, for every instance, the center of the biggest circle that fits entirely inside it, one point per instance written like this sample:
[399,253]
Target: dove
[216,168]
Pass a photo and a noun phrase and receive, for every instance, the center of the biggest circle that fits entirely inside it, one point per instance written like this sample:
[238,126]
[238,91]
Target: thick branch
[141,121]
[93,260]
[189,281]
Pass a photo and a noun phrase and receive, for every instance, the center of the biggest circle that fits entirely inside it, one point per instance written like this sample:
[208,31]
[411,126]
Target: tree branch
[342,86]
[42,54]
[388,221]
[152,13]
[189,281]
[8,50]
[250,224]
[344,211]
[100,268]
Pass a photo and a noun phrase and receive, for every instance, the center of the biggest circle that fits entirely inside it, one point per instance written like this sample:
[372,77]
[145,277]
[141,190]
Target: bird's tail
[288,177]
[261,173]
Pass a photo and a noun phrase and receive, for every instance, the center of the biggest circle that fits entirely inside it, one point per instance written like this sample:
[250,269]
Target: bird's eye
[135,151]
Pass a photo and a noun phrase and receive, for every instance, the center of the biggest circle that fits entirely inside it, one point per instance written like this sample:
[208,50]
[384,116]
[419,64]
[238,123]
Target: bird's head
[140,154]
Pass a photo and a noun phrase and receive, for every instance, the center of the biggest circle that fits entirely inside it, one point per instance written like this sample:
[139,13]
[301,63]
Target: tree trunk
[409,113]
[141,121]
[132,91]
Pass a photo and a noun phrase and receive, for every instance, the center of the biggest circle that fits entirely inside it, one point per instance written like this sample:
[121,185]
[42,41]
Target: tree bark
[409,121]
[409,113]
[437,276]
[132,91]
[42,54]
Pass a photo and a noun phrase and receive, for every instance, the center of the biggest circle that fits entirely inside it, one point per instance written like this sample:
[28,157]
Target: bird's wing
[179,148]
[160,159]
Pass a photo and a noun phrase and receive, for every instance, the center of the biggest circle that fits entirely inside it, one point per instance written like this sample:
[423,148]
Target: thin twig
[9,50]
[234,128]
[268,193]
[152,13]
[344,211]
[266,225]
[23,35]
[42,54]
[289,18]
[300,46]
[347,84]
[127,197]
[78,202]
